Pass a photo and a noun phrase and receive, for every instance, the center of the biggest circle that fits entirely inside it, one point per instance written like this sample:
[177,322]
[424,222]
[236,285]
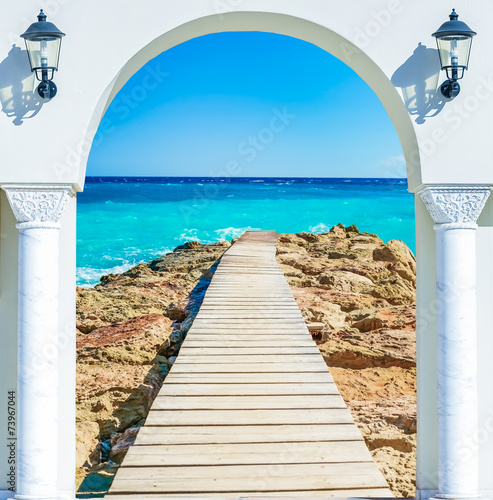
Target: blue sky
[247,104]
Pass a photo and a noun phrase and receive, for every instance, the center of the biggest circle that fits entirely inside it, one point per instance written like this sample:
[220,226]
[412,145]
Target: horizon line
[232,177]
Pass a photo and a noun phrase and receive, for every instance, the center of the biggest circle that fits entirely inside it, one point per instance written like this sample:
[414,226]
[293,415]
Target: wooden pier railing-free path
[249,407]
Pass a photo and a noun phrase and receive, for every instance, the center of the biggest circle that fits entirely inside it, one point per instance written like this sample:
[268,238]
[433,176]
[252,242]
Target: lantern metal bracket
[450,89]
[47,89]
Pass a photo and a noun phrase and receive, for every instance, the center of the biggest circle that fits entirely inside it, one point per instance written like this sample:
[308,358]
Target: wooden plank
[248,453]
[249,313]
[287,332]
[257,323]
[247,319]
[259,478]
[210,340]
[206,341]
[316,379]
[249,295]
[248,306]
[248,417]
[173,388]
[249,337]
[286,495]
[248,402]
[247,368]
[283,433]
[270,299]
[306,359]
[276,287]
[243,350]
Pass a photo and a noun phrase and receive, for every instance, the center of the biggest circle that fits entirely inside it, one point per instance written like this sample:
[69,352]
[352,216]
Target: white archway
[294,27]
[108,42]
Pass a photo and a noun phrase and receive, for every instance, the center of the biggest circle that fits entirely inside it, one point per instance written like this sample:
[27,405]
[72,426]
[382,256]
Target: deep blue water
[125,221]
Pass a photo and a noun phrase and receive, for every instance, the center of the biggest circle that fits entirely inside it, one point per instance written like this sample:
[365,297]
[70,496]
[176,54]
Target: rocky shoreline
[359,292]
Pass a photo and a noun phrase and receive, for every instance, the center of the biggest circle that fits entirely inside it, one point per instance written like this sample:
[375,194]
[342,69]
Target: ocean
[125,221]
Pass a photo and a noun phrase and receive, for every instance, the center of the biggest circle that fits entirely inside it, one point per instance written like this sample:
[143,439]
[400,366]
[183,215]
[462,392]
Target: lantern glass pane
[454,50]
[43,52]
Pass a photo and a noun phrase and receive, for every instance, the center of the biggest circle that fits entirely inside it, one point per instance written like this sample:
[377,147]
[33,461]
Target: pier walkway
[249,407]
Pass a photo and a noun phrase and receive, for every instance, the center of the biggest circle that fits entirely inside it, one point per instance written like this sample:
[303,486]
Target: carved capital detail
[38,206]
[455,207]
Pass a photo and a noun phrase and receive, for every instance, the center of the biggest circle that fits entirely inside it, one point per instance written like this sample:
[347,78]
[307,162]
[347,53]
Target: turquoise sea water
[125,221]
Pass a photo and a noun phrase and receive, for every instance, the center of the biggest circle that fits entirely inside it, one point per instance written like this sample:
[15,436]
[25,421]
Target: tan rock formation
[363,291]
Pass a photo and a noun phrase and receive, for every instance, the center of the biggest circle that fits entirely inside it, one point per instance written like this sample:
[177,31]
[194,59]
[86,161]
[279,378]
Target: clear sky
[247,104]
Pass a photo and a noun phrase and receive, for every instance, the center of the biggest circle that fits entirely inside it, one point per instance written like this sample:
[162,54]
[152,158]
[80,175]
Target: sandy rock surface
[130,328]
[364,291]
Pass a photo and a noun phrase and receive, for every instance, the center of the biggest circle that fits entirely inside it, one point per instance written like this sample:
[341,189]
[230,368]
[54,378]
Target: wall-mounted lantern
[43,40]
[454,40]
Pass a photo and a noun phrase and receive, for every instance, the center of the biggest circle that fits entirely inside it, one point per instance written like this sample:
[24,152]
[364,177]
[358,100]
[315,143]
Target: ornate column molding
[38,210]
[455,207]
[455,210]
[38,206]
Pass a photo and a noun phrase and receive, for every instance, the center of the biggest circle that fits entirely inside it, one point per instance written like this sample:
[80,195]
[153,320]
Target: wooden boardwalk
[249,407]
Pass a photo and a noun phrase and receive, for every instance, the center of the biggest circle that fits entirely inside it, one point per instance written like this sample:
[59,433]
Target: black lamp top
[454,27]
[42,29]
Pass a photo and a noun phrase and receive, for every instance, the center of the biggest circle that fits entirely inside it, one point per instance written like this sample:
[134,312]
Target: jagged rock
[121,442]
[396,291]
[345,281]
[87,439]
[342,255]
[398,254]
[176,313]
[329,314]
[368,342]
[339,230]
[368,324]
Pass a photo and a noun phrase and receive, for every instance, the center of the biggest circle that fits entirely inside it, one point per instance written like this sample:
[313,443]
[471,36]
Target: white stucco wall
[8,325]
[426,352]
[485,346]
[107,41]
[66,378]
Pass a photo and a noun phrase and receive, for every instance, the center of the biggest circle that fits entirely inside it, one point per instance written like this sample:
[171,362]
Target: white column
[455,210]
[38,210]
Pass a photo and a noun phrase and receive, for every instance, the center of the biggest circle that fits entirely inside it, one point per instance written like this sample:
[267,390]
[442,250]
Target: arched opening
[318,35]
[386,92]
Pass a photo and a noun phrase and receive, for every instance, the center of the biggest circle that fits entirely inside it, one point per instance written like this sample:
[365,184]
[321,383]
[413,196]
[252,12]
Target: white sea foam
[320,228]
[188,235]
[89,276]
[229,233]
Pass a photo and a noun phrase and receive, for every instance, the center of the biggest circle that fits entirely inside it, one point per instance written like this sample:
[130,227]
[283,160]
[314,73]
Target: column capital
[38,205]
[455,206]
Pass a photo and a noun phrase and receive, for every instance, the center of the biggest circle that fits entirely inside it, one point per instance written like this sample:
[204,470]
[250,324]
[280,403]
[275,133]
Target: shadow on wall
[418,79]
[17,95]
